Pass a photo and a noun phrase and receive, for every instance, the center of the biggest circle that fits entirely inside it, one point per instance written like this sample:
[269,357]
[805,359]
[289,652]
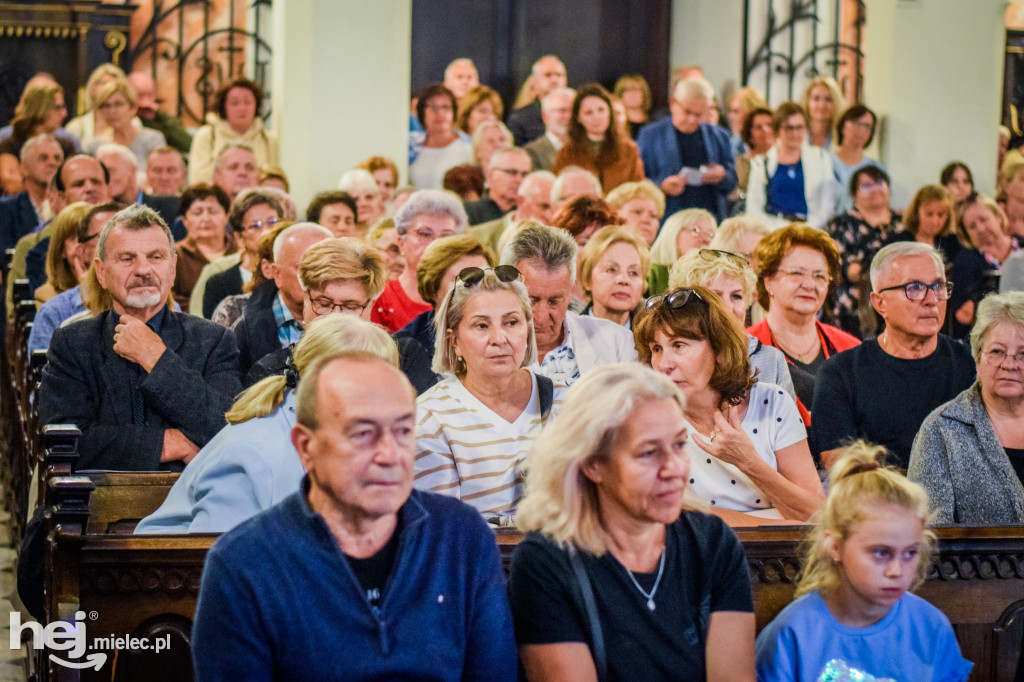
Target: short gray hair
[552,246]
[526,186]
[433,202]
[453,309]
[693,87]
[134,218]
[556,189]
[126,154]
[549,99]
[512,149]
[901,250]
[222,152]
[993,310]
[35,140]
[358,178]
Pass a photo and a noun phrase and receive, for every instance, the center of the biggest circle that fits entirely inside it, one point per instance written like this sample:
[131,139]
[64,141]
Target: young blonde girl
[854,617]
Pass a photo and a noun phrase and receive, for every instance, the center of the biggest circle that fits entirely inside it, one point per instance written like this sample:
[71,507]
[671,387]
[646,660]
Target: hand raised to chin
[136,342]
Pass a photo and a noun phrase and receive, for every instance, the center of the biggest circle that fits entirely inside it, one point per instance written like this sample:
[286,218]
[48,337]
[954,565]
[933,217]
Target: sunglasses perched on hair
[470,277]
[715,254]
[676,300]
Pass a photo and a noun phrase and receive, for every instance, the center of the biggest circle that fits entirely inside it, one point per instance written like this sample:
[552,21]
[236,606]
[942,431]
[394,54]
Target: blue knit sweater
[279,601]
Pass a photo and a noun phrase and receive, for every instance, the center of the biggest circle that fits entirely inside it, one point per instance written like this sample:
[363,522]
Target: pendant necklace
[657,581]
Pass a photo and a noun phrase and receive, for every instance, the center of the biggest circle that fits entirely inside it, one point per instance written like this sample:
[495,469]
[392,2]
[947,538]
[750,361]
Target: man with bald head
[690,160]
[526,123]
[461,76]
[357,575]
[273,315]
[533,203]
[151,115]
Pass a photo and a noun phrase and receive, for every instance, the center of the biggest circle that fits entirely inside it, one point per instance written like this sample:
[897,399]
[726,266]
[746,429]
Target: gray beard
[142,300]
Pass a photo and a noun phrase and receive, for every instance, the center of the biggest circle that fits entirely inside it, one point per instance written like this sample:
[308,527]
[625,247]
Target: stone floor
[12,662]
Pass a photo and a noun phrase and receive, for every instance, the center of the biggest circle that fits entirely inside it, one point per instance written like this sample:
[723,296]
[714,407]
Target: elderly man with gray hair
[883,389]
[567,344]
[556,111]
[427,215]
[147,386]
[690,160]
[506,171]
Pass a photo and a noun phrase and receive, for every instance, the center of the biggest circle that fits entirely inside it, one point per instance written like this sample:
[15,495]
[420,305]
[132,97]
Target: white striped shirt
[466,450]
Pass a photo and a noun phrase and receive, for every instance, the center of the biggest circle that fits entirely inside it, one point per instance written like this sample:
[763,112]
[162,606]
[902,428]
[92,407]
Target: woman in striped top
[477,425]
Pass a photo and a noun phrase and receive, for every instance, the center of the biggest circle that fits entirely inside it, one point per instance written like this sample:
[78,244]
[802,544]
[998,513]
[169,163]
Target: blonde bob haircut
[474,98]
[858,485]
[665,250]
[701,269]
[324,337]
[453,308]
[773,248]
[628,191]
[984,201]
[441,255]
[343,258]
[560,501]
[604,239]
[996,309]
[928,194]
[109,88]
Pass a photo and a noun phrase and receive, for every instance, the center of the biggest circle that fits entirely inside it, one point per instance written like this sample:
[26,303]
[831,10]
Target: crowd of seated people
[574,323]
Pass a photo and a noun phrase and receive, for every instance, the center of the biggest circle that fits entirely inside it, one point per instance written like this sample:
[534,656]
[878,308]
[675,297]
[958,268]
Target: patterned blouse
[858,242]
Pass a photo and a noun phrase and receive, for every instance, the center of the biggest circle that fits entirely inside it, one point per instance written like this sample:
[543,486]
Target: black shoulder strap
[702,610]
[546,394]
[590,606]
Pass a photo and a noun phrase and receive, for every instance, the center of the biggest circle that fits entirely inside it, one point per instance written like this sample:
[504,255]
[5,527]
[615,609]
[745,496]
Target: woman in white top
[476,426]
[749,453]
[116,105]
[439,147]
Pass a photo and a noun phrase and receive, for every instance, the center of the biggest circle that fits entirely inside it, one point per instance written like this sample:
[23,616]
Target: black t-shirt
[866,393]
[640,644]
[694,155]
[373,571]
[1016,456]
[803,375]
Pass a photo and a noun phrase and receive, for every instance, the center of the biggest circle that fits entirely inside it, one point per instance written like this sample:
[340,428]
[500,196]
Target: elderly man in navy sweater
[356,576]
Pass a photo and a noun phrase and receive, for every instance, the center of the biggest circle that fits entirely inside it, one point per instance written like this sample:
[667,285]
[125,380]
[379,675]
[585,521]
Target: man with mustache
[883,389]
[147,386]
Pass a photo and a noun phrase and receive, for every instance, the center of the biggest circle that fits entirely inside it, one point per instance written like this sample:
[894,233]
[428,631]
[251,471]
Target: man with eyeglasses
[883,389]
[273,316]
[509,166]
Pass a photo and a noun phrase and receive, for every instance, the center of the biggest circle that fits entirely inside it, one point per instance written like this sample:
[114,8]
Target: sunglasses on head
[715,254]
[676,300]
[472,276]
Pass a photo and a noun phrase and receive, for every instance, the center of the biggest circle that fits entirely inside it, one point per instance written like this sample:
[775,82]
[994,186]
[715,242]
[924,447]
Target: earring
[459,358]
[771,294]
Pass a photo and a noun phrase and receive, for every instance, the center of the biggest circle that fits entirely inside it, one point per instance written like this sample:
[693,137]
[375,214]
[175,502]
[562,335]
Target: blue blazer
[660,154]
[17,218]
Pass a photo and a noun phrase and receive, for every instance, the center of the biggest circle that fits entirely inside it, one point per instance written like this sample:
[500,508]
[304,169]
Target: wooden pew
[147,585]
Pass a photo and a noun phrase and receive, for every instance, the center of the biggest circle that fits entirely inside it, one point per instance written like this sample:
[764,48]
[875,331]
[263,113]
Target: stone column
[340,88]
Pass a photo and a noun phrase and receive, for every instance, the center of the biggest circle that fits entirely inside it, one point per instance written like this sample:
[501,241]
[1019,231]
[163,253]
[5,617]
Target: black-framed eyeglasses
[715,254]
[917,291]
[675,300]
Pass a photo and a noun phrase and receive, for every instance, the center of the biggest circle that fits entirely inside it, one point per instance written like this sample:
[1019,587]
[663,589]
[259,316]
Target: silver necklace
[657,581]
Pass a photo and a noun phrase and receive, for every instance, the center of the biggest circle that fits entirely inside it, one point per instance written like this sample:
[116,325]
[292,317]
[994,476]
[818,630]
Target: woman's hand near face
[794,489]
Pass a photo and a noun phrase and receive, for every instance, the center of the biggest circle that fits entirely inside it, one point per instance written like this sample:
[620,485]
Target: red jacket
[833,340]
